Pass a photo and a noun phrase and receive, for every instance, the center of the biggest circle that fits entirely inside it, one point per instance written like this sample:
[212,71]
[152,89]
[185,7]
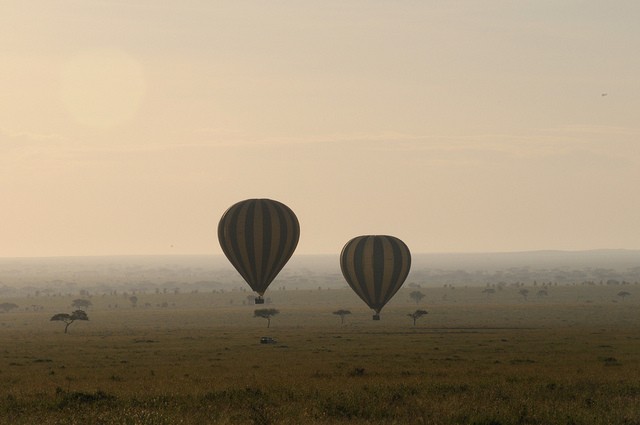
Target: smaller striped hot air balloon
[258,236]
[375,267]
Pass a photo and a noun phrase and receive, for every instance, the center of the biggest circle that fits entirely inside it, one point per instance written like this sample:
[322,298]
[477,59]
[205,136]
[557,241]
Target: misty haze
[24,276]
[319,212]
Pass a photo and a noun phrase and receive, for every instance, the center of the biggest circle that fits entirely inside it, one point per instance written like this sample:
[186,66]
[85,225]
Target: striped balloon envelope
[258,236]
[375,267]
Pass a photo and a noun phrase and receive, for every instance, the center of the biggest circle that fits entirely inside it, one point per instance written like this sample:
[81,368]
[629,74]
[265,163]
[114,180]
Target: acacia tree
[5,307]
[81,303]
[341,313]
[524,292]
[623,294]
[417,296]
[417,314]
[266,313]
[70,318]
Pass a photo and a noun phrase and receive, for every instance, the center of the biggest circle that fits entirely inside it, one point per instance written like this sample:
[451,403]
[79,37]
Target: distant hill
[618,259]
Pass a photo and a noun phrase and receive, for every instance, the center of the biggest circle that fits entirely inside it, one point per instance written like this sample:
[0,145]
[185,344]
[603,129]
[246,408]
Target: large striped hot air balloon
[258,236]
[375,267]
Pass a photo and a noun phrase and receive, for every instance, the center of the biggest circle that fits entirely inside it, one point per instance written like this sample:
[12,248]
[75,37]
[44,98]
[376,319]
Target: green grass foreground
[471,360]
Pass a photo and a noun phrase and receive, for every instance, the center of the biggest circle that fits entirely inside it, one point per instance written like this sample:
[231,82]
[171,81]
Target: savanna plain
[563,353]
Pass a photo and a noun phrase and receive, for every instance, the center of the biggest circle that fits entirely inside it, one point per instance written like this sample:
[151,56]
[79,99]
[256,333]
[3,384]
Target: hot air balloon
[258,236]
[375,266]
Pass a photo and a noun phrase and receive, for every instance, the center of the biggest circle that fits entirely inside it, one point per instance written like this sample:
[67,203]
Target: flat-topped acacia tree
[417,296]
[417,314]
[70,318]
[266,313]
[81,303]
[341,313]
[5,307]
[623,294]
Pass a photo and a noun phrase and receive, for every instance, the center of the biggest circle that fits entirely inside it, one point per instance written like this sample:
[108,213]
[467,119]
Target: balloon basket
[259,300]
[376,317]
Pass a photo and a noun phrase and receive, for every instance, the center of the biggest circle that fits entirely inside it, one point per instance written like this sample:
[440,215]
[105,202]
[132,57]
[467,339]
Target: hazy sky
[130,126]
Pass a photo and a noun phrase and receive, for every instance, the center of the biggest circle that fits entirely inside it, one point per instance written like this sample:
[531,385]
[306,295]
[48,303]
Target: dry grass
[473,359]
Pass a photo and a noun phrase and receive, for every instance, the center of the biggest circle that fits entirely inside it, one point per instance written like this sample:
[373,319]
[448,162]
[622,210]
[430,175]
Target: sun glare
[102,88]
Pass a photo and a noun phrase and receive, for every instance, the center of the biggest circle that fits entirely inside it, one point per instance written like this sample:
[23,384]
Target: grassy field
[570,358]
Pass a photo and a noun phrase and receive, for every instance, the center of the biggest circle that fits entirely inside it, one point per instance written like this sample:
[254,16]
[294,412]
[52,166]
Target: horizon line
[532,251]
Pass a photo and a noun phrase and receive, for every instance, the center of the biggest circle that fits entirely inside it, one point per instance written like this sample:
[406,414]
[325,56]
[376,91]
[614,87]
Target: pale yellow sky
[128,127]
